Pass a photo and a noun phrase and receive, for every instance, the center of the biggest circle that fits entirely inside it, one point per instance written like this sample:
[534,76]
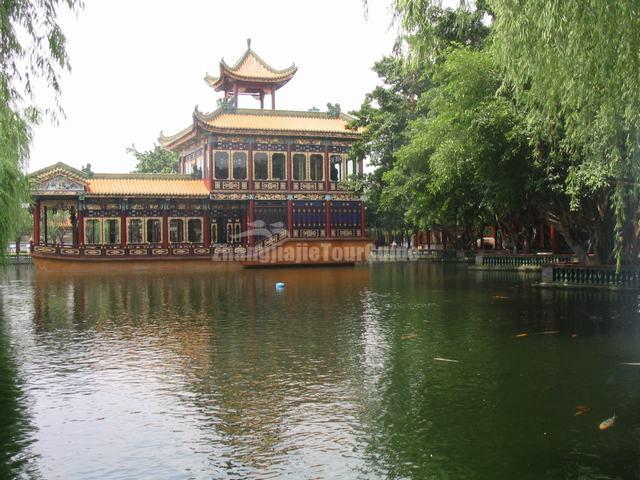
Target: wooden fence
[587,275]
[520,260]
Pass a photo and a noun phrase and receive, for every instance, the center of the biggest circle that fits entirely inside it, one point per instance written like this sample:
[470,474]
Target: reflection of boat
[255,186]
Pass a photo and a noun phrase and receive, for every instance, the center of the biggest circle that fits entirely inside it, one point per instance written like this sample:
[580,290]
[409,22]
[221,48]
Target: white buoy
[279,285]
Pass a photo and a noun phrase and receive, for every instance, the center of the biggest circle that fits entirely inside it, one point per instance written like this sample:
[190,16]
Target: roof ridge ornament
[251,76]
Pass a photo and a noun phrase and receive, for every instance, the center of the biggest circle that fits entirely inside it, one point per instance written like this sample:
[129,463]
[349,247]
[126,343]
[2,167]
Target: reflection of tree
[14,426]
[507,409]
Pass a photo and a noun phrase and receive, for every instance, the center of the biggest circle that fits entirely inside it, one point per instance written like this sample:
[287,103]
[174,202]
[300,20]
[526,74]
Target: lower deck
[280,250]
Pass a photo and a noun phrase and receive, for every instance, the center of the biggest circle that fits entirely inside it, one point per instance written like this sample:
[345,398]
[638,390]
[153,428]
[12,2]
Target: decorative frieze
[231,144]
[195,155]
[308,148]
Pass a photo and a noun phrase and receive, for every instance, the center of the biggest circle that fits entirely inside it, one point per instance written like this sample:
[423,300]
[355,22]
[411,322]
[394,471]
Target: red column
[46,227]
[207,229]
[363,231]
[250,166]
[273,97]
[290,217]
[250,223]
[361,167]
[165,229]
[36,223]
[206,166]
[289,169]
[123,229]
[235,94]
[80,227]
[428,239]
[261,101]
[211,163]
[327,208]
[326,168]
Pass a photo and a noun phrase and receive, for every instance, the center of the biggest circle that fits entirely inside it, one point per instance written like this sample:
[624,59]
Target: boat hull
[289,252]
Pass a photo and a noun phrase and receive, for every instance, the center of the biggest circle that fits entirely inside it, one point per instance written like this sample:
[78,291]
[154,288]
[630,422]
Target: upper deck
[268,153]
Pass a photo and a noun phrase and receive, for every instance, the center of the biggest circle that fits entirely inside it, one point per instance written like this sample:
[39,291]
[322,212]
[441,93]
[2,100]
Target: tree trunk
[575,246]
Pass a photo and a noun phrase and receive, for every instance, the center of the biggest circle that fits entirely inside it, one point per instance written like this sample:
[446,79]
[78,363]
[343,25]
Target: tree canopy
[32,48]
[528,111]
[389,109]
[156,160]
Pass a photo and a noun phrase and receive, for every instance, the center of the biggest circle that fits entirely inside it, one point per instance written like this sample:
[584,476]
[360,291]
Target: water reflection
[199,375]
[16,457]
[237,367]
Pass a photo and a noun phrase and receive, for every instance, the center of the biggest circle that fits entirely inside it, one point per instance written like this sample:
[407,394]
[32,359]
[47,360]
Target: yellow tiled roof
[279,121]
[251,67]
[138,185]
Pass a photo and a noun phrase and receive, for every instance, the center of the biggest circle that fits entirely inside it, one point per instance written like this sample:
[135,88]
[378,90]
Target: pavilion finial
[249,43]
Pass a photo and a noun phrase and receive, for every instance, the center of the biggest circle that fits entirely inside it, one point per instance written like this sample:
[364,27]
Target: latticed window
[92,231]
[277,166]
[299,166]
[315,163]
[221,161]
[135,231]
[260,166]
[176,230]
[351,168]
[194,230]
[154,230]
[111,230]
[335,162]
[239,165]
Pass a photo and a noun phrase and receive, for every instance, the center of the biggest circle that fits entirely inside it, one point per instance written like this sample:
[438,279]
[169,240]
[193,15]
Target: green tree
[23,227]
[32,48]
[574,67]
[333,110]
[467,162]
[387,111]
[157,160]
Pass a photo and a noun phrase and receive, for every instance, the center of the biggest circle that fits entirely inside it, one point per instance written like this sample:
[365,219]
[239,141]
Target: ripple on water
[201,376]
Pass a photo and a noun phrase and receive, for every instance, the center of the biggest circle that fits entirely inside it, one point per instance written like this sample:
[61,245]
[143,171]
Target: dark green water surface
[218,375]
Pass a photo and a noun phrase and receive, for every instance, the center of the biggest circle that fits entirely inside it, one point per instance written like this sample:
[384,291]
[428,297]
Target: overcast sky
[138,67]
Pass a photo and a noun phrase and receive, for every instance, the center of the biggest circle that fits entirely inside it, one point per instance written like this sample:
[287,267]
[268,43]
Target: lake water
[340,375]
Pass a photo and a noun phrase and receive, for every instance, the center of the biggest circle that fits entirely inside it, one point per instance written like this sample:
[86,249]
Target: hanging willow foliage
[14,135]
[575,68]
[32,47]
[578,63]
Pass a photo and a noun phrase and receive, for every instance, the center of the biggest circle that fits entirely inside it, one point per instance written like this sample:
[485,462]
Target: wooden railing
[398,254]
[23,258]
[628,277]
[522,260]
[223,252]
[270,241]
